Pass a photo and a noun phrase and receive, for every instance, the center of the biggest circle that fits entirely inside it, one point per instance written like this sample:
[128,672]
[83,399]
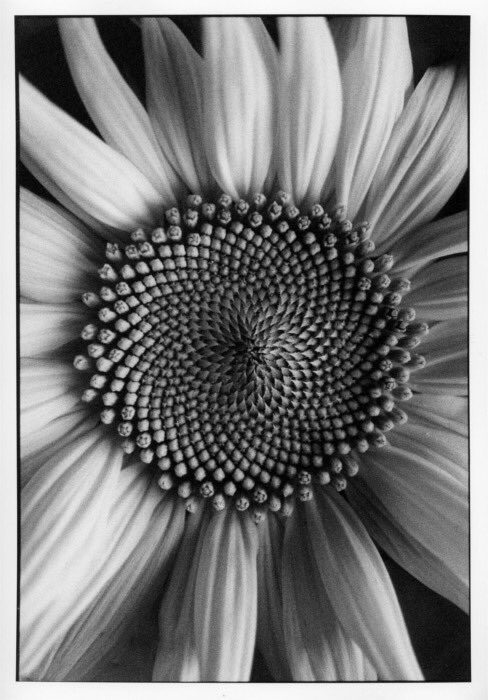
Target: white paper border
[477,689]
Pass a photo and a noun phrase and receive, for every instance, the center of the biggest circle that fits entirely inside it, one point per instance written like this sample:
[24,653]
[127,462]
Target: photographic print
[243,381]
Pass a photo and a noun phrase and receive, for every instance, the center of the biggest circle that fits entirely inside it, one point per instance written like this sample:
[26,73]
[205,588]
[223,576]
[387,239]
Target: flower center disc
[249,351]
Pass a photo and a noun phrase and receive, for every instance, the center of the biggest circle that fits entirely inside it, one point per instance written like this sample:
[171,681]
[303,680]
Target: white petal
[445,349]
[436,411]
[359,587]
[425,492]
[176,657]
[226,598]
[376,73]
[50,185]
[174,75]
[438,239]
[98,179]
[425,157]
[440,290]
[94,539]
[318,648]
[48,327]
[407,551]
[115,110]
[48,391]
[270,636]
[310,106]
[239,105]
[57,253]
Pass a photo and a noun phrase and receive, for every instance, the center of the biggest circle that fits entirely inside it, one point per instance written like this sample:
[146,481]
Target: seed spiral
[249,351]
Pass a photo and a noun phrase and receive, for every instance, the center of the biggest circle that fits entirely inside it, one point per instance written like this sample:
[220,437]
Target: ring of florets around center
[248,351]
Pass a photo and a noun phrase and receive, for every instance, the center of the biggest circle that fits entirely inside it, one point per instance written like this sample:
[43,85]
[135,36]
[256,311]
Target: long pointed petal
[176,657]
[57,253]
[405,549]
[440,290]
[448,236]
[376,73]
[48,392]
[97,178]
[270,635]
[425,158]
[239,79]
[318,648]
[115,110]
[48,327]
[359,587]
[446,349]
[94,540]
[310,106]
[174,75]
[226,598]
[420,480]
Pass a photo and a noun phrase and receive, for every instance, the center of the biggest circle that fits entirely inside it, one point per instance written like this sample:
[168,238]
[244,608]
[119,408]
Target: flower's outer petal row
[405,549]
[239,106]
[425,492]
[425,158]
[61,508]
[49,391]
[435,412]
[62,198]
[440,290]
[50,438]
[376,70]
[94,539]
[318,648]
[98,179]
[45,328]
[226,597]
[176,657]
[145,533]
[446,346]
[270,634]
[174,74]
[310,106]
[115,110]
[447,236]
[57,253]
[359,587]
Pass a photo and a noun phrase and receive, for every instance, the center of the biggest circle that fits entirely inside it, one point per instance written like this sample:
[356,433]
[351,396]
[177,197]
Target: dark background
[439,630]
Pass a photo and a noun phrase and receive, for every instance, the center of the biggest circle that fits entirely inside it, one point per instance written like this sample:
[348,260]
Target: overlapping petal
[99,180]
[309,107]
[447,236]
[176,657]
[425,158]
[57,253]
[226,598]
[270,633]
[359,588]
[107,534]
[423,486]
[174,90]
[115,110]
[239,102]
[446,349]
[46,328]
[440,290]
[317,645]
[405,549]
[377,73]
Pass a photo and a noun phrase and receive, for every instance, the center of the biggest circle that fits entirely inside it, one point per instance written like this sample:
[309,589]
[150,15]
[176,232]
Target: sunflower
[226,401]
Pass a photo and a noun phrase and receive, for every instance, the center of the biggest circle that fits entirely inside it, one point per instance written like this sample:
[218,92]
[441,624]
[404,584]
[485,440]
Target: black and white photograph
[242,251]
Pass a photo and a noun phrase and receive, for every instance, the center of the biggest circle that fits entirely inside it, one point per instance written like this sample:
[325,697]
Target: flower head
[243,351]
